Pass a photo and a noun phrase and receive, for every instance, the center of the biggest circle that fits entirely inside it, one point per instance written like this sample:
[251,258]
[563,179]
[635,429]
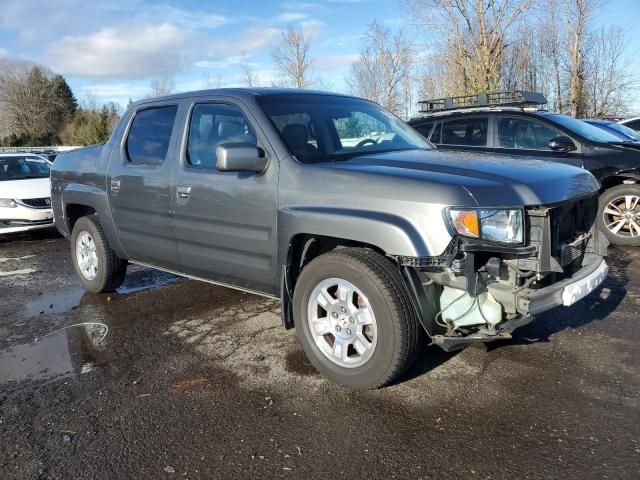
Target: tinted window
[514,132]
[424,128]
[634,124]
[436,134]
[469,131]
[149,136]
[213,124]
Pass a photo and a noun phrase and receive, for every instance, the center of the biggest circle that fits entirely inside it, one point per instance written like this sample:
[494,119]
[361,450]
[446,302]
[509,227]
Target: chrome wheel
[622,216]
[87,255]
[342,322]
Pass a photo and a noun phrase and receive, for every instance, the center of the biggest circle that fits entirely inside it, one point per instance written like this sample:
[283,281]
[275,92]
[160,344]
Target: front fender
[393,234]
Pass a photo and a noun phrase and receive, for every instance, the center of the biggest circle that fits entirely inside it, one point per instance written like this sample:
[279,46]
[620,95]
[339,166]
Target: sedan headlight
[8,203]
[494,225]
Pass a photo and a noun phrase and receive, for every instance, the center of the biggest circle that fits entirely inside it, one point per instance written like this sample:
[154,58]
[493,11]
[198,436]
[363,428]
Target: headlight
[495,225]
[8,203]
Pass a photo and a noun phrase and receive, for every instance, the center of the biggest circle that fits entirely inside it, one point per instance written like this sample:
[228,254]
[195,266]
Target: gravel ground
[171,378]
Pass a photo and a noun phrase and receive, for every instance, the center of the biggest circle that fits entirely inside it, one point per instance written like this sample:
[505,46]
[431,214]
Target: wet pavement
[171,378]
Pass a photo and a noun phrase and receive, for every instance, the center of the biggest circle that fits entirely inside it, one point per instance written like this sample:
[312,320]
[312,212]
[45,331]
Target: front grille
[36,202]
[561,234]
[570,221]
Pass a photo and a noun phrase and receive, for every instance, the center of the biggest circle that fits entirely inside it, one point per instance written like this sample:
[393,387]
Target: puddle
[71,351]
[66,299]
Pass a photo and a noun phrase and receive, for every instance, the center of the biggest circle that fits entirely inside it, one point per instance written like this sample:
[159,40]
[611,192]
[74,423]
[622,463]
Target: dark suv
[506,123]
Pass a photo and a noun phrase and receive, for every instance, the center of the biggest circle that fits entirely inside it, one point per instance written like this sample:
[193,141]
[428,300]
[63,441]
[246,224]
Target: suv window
[522,133]
[634,124]
[213,124]
[149,135]
[468,131]
[424,129]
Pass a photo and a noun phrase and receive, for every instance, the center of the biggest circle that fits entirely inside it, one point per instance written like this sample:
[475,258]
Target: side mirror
[240,157]
[562,144]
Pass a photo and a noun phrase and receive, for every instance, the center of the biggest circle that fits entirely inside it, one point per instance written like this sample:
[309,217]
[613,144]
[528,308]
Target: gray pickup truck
[368,235]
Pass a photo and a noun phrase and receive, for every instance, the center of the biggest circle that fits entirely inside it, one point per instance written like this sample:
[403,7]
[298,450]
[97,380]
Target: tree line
[461,47]
[444,48]
[37,107]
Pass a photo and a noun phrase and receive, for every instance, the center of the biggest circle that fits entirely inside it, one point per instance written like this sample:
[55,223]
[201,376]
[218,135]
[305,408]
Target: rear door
[521,135]
[225,222]
[139,185]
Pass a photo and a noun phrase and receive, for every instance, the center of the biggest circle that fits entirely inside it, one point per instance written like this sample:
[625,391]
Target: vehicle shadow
[597,306]
[34,235]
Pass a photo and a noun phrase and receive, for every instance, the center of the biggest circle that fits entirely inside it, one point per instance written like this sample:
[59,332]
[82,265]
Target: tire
[104,271]
[376,353]
[623,199]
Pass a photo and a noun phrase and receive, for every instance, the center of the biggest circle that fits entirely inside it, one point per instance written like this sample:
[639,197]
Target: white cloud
[249,41]
[123,52]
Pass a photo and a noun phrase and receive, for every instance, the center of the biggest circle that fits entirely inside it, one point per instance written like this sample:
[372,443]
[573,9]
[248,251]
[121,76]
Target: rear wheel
[97,265]
[619,214]
[354,318]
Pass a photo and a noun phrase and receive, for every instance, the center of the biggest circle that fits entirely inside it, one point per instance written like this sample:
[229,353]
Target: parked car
[633,123]
[25,194]
[367,235]
[624,133]
[504,123]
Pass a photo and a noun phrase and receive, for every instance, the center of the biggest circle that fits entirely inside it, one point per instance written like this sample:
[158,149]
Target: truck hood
[491,180]
[25,188]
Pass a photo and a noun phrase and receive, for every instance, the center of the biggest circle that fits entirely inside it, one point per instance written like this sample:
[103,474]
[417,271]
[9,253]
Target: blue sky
[111,49]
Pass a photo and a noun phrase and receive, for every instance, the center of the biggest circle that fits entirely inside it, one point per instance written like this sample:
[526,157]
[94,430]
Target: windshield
[584,129]
[319,128]
[17,168]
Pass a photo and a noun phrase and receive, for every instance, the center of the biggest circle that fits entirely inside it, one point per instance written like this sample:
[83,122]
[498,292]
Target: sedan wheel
[622,216]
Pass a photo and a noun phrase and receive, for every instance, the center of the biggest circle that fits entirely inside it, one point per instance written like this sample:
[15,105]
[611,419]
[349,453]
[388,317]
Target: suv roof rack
[516,98]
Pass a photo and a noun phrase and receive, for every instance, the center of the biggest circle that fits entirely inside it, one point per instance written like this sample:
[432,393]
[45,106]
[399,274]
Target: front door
[225,222]
[138,186]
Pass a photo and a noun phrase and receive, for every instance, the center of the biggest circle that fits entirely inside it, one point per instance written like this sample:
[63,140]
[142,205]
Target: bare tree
[163,85]
[609,84]
[292,57]
[382,72]
[248,73]
[212,82]
[577,17]
[474,33]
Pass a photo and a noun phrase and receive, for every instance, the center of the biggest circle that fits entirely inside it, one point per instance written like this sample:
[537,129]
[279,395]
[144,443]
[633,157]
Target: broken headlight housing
[490,224]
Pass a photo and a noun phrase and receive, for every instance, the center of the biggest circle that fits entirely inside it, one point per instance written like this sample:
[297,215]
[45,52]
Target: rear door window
[525,134]
[150,134]
[471,132]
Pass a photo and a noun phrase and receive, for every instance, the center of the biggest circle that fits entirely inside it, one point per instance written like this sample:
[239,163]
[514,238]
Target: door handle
[183,191]
[115,185]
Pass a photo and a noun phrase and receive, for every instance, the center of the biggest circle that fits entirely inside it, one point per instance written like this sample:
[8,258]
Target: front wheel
[354,318]
[97,265]
[619,214]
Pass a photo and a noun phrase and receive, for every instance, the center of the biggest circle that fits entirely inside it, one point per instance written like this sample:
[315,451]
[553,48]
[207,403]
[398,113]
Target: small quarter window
[150,134]
[213,124]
